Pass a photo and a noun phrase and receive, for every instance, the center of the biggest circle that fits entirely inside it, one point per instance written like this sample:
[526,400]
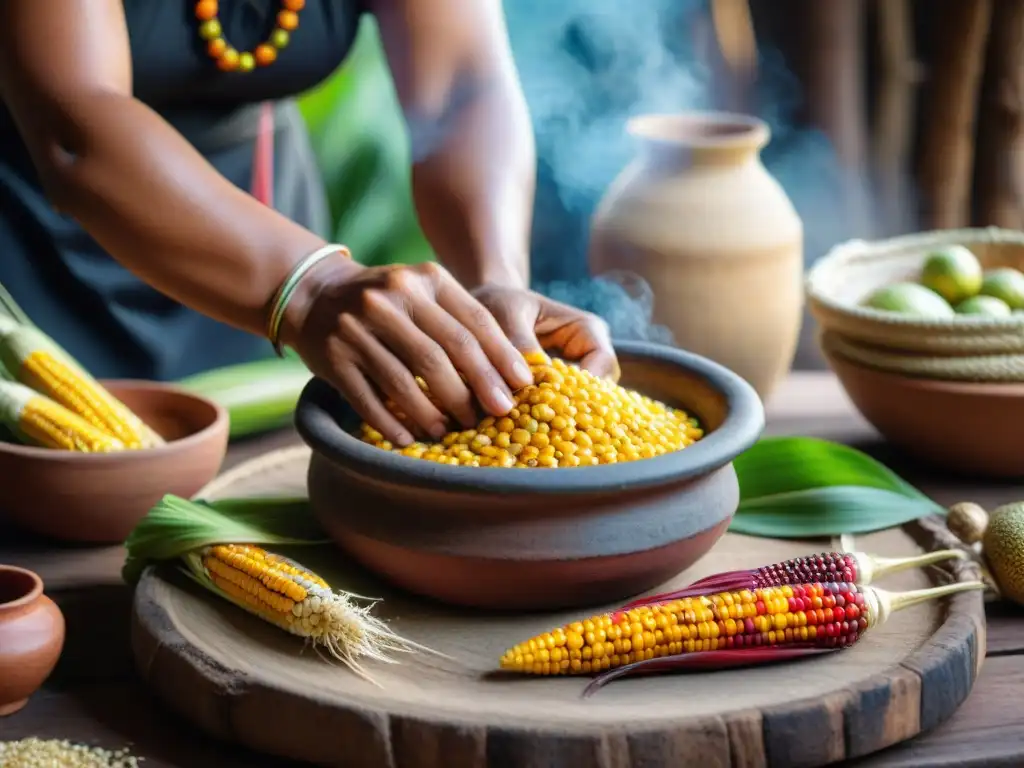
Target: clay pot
[532,539]
[31,637]
[915,415]
[100,497]
[698,216]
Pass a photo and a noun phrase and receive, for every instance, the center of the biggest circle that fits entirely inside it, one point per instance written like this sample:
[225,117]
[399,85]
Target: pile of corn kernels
[566,418]
[53,753]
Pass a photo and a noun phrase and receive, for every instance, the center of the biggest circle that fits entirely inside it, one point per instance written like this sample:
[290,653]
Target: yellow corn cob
[292,597]
[39,420]
[38,362]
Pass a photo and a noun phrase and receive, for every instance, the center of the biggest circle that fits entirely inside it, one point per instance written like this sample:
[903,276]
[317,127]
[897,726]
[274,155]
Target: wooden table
[95,696]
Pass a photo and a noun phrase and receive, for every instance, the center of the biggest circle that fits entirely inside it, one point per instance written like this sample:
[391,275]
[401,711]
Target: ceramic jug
[698,216]
[31,637]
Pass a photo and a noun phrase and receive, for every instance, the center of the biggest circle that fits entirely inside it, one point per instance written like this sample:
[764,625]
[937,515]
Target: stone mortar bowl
[532,539]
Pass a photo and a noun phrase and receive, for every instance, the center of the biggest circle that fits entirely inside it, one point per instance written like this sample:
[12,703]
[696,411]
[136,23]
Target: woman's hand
[533,322]
[369,330]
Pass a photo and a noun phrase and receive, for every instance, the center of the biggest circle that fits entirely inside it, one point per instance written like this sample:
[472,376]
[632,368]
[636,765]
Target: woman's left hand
[533,322]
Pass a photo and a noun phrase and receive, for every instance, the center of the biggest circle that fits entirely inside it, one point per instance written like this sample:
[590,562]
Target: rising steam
[587,66]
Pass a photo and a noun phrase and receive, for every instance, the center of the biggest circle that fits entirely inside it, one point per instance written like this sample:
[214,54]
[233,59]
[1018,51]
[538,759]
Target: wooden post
[1000,155]
[733,30]
[949,106]
[893,124]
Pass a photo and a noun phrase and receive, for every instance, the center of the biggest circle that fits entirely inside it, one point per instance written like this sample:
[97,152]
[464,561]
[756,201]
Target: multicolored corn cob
[730,628]
[827,568]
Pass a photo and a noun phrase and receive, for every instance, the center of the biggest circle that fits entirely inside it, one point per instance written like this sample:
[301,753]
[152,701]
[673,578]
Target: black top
[107,318]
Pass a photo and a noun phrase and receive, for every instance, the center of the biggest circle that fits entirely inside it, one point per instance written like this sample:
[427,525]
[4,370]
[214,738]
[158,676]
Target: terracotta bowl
[31,637]
[98,498]
[967,428]
[543,538]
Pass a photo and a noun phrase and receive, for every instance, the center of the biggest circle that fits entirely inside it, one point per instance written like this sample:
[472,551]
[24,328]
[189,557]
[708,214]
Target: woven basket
[841,279]
[992,369]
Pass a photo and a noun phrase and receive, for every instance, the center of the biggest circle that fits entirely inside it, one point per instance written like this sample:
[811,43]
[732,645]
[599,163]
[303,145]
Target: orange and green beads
[227,57]
[830,615]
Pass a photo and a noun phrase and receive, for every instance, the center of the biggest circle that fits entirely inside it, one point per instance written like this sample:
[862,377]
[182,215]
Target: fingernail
[402,439]
[523,373]
[437,431]
[503,400]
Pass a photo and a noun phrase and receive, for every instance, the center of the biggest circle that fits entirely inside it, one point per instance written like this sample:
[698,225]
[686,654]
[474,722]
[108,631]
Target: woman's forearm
[162,211]
[474,160]
[474,184]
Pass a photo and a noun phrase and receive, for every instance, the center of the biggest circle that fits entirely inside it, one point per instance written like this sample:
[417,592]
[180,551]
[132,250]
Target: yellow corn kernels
[566,418]
[293,598]
[39,363]
[40,421]
[830,615]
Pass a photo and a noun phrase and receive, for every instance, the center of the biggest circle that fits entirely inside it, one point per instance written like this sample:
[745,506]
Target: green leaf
[828,511]
[176,526]
[803,487]
[785,464]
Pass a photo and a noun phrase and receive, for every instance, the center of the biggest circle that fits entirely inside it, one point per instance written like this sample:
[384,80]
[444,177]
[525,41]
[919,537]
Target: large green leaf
[802,487]
[787,464]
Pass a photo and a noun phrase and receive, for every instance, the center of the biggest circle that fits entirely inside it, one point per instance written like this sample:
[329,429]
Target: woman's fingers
[393,378]
[360,394]
[422,355]
[600,359]
[466,352]
[601,363]
[502,342]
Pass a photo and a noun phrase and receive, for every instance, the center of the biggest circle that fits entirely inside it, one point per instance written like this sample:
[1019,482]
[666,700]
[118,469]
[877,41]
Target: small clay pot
[31,637]
[531,539]
[100,497]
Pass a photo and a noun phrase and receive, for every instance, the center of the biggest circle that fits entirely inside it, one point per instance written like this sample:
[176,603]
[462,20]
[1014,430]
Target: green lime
[909,299]
[953,272]
[1005,283]
[983,305]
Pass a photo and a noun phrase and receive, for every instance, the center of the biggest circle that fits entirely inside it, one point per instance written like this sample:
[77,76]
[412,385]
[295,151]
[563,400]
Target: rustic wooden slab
[245,681]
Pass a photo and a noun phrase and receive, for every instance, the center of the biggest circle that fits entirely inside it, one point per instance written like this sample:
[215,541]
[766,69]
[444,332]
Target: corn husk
[177,531]
[176,526]
[884,605]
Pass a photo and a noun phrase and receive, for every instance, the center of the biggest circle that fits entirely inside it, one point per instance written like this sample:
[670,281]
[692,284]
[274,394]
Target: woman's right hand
[371,330]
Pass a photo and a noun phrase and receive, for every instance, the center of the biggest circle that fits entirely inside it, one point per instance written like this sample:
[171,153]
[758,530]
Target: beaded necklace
[230,59]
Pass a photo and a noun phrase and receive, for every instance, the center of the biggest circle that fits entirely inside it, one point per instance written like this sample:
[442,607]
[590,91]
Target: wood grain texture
[96,697]
[999,176]
[243,681]
[945,166]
